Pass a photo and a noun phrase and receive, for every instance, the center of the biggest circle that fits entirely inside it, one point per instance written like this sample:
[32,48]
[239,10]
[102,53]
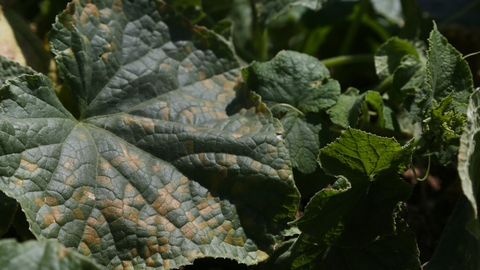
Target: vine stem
[426,173]
[288,106]
[347,59]
[352,31]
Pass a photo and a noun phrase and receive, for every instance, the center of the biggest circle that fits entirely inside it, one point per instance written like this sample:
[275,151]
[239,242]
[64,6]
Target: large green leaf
[469,161]
[155,173]
[47,254]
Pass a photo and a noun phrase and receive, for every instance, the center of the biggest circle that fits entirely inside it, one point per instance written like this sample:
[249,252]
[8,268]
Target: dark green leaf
[390,54]
[458,248]
[293,78]
[304,135]
[192,9]
[469,161]
[394,252]
[42,255]
[271,9]
[339,113]
[8,207]
[155,173]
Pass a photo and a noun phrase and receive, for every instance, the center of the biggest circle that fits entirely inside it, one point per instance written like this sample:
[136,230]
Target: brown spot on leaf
[81,136]
[183,180]
[127,264]
[39,202]
[84,247]
[187,230]
[228,239]
[165,112]
[91,9]
[189,216]
[315,84]
[166,263]
[165,65]
[239,241]
[208,84]
[133,160]
[212,222]
[50,201]
[199,226]
[90,236]
[237,135]
[48,219]
[201,75]
[105,58]
[56,213]
[256,165]
[109,31]
[78,214]
[129,188]
[30,167]
[157,168]
[188,116]
[165,222]
[69,163]
[18,182]
[150,262]
[228,85]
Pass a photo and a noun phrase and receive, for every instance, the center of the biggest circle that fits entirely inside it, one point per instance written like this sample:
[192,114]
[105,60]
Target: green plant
[163,146]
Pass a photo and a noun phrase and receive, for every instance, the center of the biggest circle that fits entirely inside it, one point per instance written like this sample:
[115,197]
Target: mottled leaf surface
[155,173]
[47,254]
[469,161]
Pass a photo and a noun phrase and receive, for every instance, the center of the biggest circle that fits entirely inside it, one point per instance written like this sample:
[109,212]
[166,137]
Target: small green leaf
[47,254]
[339,113]
[359,154]
[304,135]
[390,55]
[469,161]
[293,78]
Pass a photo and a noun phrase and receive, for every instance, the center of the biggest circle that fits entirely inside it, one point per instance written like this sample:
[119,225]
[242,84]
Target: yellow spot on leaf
[19,182]
[228,239]
[237,135]
[105,58]
[208,84]
[84,247]
[50,201]
[81,136]
[133,160]
[315,84]
[256,165]
[39,202]
[48,219]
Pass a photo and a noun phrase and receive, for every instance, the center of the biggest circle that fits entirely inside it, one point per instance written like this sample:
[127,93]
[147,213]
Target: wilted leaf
[155,173]
[47,254]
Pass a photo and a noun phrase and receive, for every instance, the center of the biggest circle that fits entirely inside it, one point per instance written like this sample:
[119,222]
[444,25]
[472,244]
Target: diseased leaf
[47,254]
[359,154]
[469,161]
[155,173]
[8,207]
[458,248]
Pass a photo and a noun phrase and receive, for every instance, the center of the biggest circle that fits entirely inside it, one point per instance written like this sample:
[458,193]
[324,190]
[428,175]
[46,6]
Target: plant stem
[384,85]
[352,31]
[288,106]
[260,35]
[347,59]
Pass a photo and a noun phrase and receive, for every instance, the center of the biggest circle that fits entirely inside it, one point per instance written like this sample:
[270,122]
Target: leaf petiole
[288,106]
[426,173]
